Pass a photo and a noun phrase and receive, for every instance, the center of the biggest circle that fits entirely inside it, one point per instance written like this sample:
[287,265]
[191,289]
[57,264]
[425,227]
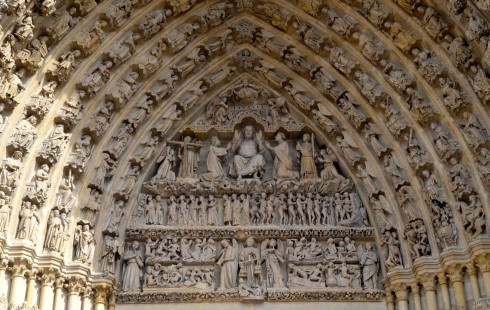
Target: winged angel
[273,254]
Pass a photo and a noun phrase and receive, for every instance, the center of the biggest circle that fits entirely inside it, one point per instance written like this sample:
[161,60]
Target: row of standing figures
[305,209]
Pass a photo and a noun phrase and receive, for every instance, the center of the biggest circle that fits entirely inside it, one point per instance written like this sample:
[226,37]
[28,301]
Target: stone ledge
[244,232]
[272,296]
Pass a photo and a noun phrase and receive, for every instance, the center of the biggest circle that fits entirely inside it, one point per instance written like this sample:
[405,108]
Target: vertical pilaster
[87,295]
[58,293]
[3,269]
[390,300]
[475,290]
[401,294]
[416,296]
[75,287]
[46,300]
[18,283]
[456,277]
[100,297]
[483,263]
[446,301]
[429,283]
[31,296]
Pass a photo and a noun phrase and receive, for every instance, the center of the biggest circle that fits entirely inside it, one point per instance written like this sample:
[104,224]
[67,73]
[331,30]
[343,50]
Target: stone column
[416,296]
[446,301]
[401,296]
[87,294]
[3,267]
[456,277]
[112,302]
[47,293]
[429,283]
[18,283]
[31,289]
[475,290]
[390,300]
[58,293]
[100,300]
[483,263]
[75,287]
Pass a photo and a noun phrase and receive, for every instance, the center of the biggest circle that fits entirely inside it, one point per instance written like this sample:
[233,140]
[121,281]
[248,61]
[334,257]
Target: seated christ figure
[248,146]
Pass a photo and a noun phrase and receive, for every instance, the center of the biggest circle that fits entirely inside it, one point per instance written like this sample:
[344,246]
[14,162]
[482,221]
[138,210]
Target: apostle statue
[306,154]
[228,261]
[283,164]
[189,157]
[213,163]
[84,243]
[248,146]
[369,264]
[134,262]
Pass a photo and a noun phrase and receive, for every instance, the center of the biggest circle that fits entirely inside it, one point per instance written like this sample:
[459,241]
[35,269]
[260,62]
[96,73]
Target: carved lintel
[228,232]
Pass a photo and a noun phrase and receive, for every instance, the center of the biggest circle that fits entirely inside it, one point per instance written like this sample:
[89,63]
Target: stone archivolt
[395,95]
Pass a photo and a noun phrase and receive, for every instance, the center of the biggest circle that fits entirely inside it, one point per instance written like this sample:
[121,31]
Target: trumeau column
[456,277]
[429,283]
[31,298]
[18,283]
[390,300]
[87,294]
[58,293]
[401,294]
[475,290]
[100,299]
[75,287]
[446,301]
[416,296]
[47,294]
[483,263]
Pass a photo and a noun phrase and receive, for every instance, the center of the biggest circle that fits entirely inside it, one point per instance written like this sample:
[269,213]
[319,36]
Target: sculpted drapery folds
[248,146]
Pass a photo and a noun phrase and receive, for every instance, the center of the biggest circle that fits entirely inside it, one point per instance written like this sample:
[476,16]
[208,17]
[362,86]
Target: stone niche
[246,204]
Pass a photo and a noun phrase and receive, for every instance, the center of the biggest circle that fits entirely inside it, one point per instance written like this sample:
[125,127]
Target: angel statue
[380,207]
[273,255]
[213,163]
[248,145]
[228,261]
[217,110]
[167,160]
[369,264]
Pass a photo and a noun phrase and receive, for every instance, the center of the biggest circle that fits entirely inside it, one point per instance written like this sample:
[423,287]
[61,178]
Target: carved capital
[4,264]
[19,270]
[401,292]
[390,298]
[88,291]
[442,278]
[428,281]
[471,269]
[47,279]
[415,288]
[101,293]
[59,282]
[75,286]
[455,273]
[483,262]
